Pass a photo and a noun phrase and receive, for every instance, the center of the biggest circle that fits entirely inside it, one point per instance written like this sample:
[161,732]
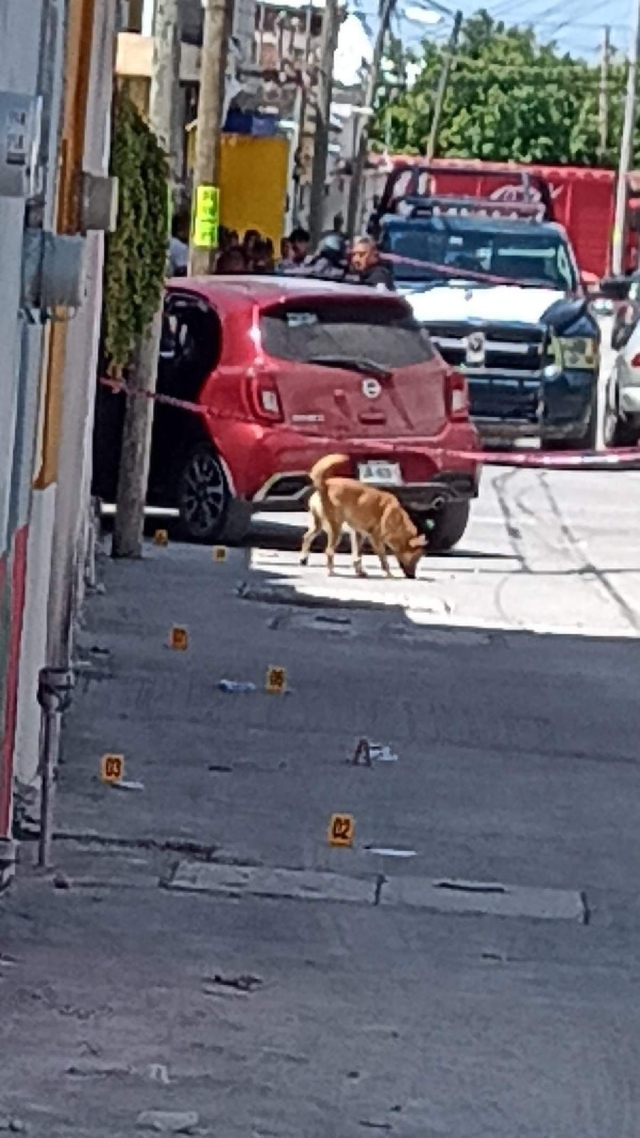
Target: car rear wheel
[445,527]
[203,495]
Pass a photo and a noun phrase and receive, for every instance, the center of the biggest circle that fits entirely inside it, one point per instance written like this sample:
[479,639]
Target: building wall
[31,34]
[59,502]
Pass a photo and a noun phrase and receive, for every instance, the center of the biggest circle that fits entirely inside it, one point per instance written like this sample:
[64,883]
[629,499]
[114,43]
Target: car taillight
[265,399]
[636,360]
[457,396]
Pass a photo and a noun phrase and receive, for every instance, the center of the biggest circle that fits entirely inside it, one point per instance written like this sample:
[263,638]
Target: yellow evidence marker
[161,537]
[340,832]
[219,553]
[112,768]
[276,682]
[178,638]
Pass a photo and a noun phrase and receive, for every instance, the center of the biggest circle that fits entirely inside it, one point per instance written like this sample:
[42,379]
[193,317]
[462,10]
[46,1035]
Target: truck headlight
[579,352]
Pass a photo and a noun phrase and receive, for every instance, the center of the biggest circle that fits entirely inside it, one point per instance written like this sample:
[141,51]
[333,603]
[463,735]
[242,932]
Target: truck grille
[511,349]
[506,384]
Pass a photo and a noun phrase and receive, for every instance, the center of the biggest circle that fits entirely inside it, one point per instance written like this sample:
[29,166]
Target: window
[189,348]
[384,333]
[526,257]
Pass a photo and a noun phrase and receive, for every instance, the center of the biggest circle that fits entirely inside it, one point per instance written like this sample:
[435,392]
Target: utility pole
[218,23]
[626,148]
[373,80]
[138,421]
[442,87]
[328,44]
[165,78]
[603,98]
[305,74]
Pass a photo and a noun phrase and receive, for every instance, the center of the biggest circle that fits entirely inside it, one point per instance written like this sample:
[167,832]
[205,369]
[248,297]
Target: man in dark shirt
[366,266]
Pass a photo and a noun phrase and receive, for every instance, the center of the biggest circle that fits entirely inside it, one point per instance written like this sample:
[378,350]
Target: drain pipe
[55,686]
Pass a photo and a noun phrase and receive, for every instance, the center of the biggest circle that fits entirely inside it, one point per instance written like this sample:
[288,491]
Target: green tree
[136,254]
[510,97]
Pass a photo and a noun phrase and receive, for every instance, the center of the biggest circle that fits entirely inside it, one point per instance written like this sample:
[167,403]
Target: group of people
[335,259]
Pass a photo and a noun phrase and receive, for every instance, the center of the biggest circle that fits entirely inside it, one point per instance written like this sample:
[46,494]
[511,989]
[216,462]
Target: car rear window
[385,333]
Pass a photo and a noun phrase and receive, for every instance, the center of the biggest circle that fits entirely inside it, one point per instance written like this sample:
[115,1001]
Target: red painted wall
[15,580]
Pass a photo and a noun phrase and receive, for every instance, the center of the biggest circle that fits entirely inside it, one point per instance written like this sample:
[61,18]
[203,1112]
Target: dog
[375,514]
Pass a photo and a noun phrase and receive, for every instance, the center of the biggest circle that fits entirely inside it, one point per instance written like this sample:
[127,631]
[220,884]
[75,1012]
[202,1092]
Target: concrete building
[272,70]
[56,67]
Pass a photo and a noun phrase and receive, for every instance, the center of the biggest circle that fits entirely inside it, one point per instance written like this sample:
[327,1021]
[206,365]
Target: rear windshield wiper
[353,363]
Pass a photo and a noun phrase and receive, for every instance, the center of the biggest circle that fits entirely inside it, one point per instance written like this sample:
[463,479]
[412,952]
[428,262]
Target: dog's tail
[321,470]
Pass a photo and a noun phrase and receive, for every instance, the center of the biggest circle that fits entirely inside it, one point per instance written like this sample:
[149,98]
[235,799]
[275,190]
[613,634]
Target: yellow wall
[253,177]
[253,182]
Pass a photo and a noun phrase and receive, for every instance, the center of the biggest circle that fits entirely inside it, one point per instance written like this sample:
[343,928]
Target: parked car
[627,311]
[287,370]
[622,410]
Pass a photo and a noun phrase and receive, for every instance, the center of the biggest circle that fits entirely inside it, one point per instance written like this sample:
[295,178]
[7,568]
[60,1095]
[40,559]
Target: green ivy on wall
[136,253]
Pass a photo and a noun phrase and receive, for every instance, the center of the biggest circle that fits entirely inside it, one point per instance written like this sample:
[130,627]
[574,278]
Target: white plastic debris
[382,754]
[236,686]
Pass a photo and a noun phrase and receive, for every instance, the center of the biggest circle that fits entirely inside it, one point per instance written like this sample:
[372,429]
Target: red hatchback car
[287,370]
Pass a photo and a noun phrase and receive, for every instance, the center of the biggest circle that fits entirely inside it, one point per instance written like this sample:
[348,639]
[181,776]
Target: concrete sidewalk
[200,951]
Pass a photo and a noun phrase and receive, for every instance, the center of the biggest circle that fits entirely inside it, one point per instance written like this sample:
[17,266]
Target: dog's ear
[418,541]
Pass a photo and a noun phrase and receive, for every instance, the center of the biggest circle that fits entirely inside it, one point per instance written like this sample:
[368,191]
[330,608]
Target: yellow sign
[179,638]
[220,553]
[340,832]
[276,681]
[161,537]
[206,218]
[112,768]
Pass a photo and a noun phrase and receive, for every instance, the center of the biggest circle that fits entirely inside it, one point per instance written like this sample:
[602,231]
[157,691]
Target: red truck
[580,199]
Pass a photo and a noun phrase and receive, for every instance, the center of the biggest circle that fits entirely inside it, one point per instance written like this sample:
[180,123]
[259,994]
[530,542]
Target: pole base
[8,859]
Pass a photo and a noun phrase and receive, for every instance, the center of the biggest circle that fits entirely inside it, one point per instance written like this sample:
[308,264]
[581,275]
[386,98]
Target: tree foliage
[509,97]
[136,254]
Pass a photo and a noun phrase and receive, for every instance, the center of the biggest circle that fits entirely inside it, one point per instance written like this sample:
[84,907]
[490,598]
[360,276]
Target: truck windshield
[527,257]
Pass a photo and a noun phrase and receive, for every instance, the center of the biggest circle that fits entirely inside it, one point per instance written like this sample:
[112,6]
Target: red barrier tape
[449,270]
[564,460]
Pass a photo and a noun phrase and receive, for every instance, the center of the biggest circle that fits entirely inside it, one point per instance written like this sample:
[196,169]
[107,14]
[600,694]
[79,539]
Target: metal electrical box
[98,203]
[20,117]
[53,271]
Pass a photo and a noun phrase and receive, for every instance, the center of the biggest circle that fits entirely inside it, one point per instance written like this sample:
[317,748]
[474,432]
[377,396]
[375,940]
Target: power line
[602,4]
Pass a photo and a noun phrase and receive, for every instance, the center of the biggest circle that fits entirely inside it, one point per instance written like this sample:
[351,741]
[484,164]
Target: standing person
[293,251]
[330,262]
[366,266]
[231,261]
[249,242]
[262,259]
[178,256]
[299,244]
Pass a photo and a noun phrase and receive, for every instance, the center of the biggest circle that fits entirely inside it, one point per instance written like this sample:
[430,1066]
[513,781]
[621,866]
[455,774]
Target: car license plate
[381,473]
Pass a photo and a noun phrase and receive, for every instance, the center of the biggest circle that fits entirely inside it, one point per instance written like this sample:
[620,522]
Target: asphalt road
[469,967]
[549,551]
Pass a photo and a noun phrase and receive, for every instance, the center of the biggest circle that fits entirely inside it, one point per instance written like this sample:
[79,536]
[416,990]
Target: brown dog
[368,512]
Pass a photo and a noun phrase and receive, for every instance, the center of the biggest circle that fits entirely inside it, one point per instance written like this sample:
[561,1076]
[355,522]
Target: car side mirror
[615,288]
